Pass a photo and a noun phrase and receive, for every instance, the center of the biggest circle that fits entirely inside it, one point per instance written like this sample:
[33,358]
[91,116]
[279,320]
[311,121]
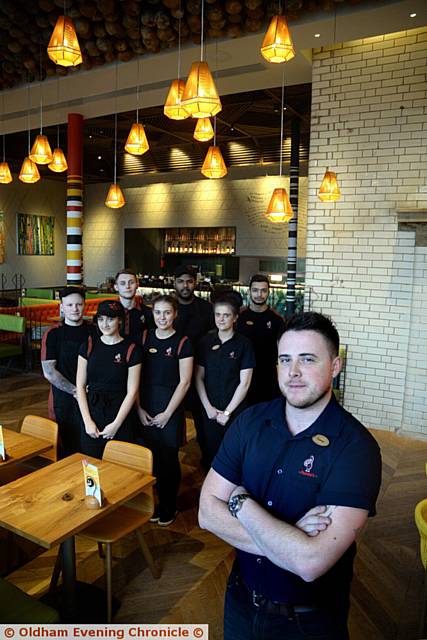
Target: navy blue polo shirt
[288,475]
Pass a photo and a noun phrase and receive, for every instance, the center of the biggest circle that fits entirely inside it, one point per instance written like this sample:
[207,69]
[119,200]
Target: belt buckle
[257,599]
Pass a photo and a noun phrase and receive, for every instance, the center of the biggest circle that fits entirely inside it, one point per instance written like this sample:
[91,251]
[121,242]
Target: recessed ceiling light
[317,35]
[99,157]
[412,15]
[90,137]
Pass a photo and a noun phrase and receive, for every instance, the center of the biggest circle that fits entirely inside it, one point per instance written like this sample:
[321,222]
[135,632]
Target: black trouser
[167,470]
[67,415]
[192,403]
[213,434]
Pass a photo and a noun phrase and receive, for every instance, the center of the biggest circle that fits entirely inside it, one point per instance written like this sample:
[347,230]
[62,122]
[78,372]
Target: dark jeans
[245,621]
[167,471]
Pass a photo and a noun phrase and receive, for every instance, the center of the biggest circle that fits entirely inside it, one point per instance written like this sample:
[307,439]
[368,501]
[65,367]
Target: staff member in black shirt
[195,318]
[263,326]
[167,369]
[60,350]
[108,373]
[225,361]
[137,316]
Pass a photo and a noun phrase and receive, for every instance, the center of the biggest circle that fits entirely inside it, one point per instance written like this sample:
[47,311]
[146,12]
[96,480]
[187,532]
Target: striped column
[293,224]
[75,200]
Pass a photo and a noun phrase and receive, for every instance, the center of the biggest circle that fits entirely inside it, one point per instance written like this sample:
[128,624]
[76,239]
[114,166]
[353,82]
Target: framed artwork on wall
[2,239]
[35,235]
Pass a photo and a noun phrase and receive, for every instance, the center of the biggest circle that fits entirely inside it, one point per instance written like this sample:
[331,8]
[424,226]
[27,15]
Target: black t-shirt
[107,366]
[263,330]
[135,321]
[223,362]
[62,343]
[160,359]
[195,319]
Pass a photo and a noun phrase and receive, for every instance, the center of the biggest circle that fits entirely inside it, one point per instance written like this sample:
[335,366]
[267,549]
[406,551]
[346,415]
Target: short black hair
[313,321]
[185,270]
[129,272]
[259,277]
[68,291]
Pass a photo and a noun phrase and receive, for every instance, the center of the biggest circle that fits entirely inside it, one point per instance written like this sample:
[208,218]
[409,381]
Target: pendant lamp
[115,198]
[329,189]
[279,208]
[200,97]
[203,131]
[137,143]
[63,48]
[29,172]
[5,174]
[277,45]
[173,108]
[41,153]
[59,162]
[214,165]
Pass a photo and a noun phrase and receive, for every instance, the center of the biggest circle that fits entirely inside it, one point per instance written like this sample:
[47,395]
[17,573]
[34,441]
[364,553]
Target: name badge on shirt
[152,350]
[215,347]
[320,440]
[249,322]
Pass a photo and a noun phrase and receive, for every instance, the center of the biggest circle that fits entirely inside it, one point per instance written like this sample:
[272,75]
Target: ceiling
[247,126]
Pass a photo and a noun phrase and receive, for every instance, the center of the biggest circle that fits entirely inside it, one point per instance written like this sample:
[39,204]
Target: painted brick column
[75,200]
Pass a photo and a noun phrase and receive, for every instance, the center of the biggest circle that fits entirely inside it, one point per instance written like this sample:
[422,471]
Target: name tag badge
[152,350]
[215,347]
[249,322]
[321,440]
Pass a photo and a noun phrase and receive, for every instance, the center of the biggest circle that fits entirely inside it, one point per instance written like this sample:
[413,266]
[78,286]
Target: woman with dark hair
[225,361]
[167,370]
[107,382]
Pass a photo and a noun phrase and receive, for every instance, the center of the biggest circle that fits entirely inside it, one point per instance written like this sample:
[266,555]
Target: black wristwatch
[235,503]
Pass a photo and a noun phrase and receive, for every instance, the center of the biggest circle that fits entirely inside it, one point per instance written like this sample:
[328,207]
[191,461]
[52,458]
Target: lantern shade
[214,165]
[5,175]
[277,45]
[59,162]
[279,208]
[173,108]
[115,198]
[200,97]
[63,48]
[29,172]
[203,131]
[137,142]
[41,153]
[329,190]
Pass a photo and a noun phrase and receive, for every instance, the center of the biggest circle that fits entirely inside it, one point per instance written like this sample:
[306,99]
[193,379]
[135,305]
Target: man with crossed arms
[291,486]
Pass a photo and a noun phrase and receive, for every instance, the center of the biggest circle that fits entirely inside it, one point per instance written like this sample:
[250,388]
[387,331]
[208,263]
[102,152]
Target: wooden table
[48,507]
[20,447]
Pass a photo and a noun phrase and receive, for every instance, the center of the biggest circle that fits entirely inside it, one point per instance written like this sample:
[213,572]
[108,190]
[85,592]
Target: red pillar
[75,200]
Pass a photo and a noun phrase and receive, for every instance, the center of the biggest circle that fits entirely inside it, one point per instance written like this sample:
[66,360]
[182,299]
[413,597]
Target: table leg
[68,563]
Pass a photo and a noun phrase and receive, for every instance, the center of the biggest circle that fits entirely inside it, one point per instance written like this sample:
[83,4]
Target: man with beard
[59,354]
[138,316]
[195,318]
[293,483]
[262,325]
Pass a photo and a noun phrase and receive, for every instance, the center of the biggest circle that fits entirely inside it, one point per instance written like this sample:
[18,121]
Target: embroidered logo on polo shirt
[232,355]
[308,468]
[168,352]
[118,358]
[269,324]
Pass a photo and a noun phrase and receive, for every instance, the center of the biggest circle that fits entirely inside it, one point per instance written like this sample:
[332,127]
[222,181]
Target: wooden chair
[44,429]
[129,517]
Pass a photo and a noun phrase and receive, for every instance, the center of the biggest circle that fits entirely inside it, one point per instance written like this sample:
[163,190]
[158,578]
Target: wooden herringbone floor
[387,587]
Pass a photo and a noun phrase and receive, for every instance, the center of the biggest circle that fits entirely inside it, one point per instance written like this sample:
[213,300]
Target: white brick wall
[369,124]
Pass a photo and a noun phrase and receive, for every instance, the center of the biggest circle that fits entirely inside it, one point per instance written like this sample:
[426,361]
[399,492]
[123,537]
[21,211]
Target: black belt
[273,607]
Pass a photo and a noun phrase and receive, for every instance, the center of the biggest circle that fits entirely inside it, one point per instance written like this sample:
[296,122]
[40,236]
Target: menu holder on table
[93,498]
[2,449]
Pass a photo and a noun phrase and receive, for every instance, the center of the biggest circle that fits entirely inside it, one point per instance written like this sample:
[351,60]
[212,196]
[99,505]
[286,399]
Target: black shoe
[166,520]
[156,516]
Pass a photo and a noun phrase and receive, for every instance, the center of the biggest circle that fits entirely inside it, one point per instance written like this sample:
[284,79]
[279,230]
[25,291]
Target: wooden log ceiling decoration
[110,30]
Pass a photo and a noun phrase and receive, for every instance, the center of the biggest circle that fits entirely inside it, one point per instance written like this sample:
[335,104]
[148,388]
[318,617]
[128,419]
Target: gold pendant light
[63,48]
[280,208]
[41,153]
[200,97]
[5,175]
[203,131]
[115,198]
[214,165]
[29,172]
[173,108]
[59,162]
[329,189]
[277,45]
[137,142]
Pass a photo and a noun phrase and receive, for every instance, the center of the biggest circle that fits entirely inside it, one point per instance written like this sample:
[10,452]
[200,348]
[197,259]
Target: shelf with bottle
[200,240]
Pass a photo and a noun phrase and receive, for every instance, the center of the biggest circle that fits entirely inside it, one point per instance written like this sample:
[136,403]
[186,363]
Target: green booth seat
[31,302]
[12,332]
[46,294]
[16,607]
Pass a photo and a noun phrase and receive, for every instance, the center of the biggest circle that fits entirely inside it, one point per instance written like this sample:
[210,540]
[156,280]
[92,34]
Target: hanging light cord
[179,43]
[28,117]
[202,30]
[281,120]
[4,150]
[41,91]
[115,147]
[57,136]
